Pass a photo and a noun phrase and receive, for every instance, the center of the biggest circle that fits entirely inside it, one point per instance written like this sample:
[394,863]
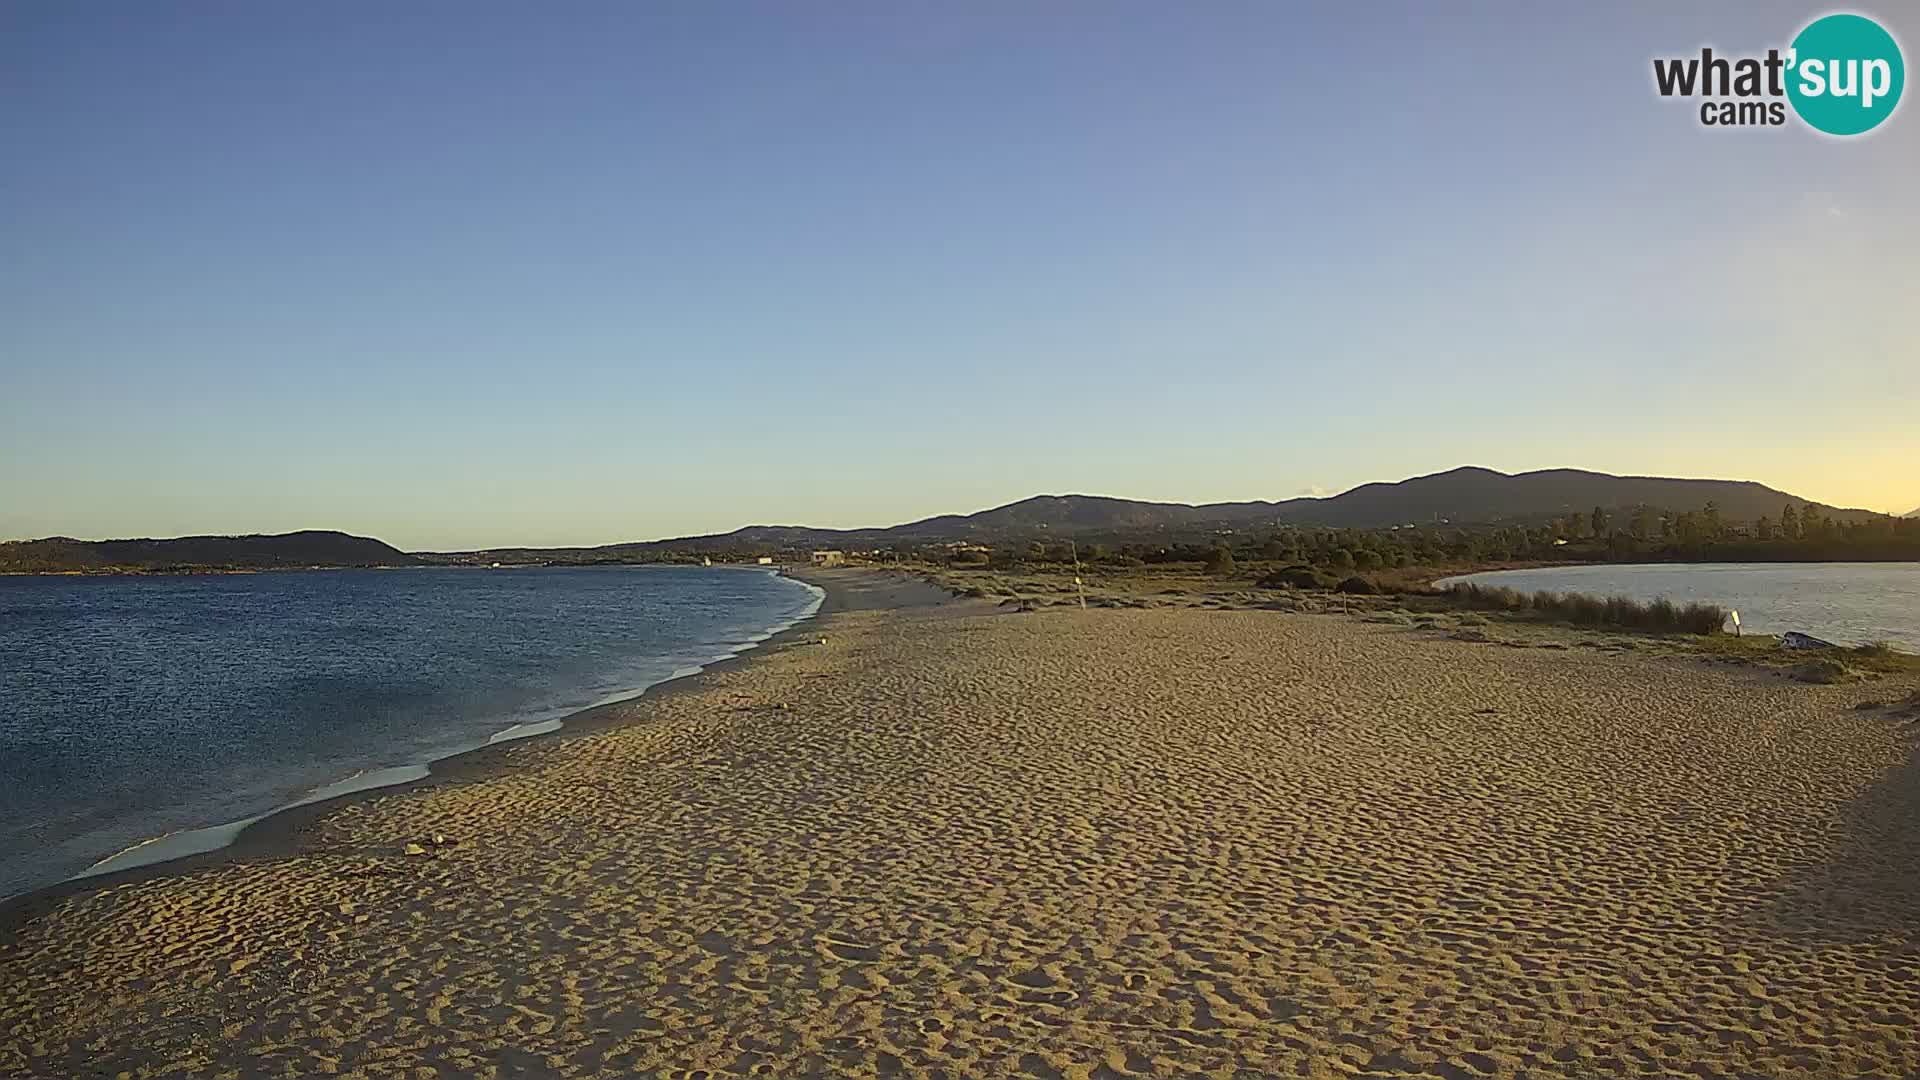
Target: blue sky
[471,274]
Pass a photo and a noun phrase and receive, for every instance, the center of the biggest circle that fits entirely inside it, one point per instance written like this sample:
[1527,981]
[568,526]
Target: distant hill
[1474,495]
[284,551]
[1463,496]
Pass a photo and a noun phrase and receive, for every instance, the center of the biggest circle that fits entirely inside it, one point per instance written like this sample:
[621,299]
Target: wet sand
[958,841]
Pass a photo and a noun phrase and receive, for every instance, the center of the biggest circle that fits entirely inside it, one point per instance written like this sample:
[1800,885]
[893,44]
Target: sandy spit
[1108,843]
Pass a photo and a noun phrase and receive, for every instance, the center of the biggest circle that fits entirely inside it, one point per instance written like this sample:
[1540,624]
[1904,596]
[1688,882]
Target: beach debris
[413,848]
[442,840]
[1470,635]
[1794,639]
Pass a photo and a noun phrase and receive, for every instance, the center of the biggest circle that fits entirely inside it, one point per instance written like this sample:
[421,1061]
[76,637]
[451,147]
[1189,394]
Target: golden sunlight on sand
[1110,843]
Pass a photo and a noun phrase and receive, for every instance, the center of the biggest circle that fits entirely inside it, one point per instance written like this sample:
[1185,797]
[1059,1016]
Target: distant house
[765,560]
[829,558]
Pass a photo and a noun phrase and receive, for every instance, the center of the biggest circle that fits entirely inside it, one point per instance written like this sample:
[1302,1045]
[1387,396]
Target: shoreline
[277,833]
[956,840]
[188,842]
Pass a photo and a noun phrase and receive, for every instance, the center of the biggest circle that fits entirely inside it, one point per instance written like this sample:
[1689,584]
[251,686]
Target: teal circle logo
[1845,74]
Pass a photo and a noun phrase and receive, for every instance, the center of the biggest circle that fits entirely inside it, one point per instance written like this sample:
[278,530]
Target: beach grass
[1876,658]
[1660,616]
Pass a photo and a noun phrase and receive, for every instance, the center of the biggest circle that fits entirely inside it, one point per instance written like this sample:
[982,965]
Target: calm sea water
[1849,603]
[139,706]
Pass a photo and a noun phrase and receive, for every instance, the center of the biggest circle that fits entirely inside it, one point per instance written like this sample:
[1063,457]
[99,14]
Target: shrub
[1703,618]
[1294,577]
[1357,586]
[1220,561]
[1823,672]
[1661,615]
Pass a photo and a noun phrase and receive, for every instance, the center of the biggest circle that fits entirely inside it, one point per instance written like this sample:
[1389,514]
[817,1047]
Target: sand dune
[1110,843]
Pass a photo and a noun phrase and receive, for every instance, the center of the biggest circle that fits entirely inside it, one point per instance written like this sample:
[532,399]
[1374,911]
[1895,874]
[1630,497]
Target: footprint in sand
[1037,987]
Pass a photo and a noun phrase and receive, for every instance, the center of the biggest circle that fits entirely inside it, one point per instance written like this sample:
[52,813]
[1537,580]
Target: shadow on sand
[1868,889]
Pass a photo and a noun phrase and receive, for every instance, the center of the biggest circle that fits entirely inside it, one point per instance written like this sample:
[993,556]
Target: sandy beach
[953,840]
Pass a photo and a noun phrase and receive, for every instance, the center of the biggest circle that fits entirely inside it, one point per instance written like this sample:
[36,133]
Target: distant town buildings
[829,558]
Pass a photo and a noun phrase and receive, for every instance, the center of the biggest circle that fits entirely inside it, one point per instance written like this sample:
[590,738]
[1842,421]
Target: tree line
[1803,533]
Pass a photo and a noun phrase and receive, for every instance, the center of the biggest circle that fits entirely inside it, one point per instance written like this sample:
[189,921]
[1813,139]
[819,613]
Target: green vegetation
[1660,616]
[1764,649]
[1297,576]
[1411,555]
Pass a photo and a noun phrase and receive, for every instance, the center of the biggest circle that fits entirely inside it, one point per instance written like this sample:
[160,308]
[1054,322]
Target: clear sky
[465,274]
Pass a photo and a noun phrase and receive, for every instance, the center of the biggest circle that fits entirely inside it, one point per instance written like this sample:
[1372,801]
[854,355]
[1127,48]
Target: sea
[144,718]
[1846,603]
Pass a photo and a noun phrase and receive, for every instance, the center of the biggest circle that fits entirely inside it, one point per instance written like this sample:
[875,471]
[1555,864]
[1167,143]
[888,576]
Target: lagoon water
[132,707]
[1849,603]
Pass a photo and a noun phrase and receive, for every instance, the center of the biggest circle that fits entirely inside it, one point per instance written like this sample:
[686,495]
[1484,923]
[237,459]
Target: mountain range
[1467,495]
[1463,496]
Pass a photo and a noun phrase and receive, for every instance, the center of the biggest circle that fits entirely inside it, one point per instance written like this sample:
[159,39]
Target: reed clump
[1660,616]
